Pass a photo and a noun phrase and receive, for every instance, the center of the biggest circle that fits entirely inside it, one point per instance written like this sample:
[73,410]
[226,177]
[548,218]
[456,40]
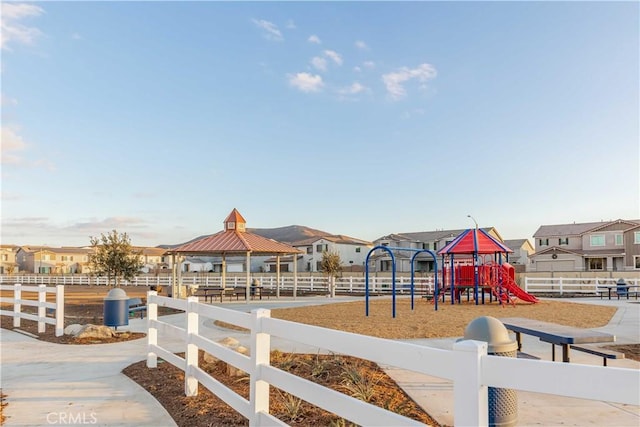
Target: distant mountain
[288,234]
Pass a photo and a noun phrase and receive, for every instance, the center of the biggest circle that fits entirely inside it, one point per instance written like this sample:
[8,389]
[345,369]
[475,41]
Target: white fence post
[59,310]
[260,355]
[191,354]
[470,397]
[152,331]
[561,286]
[42,310]
[17,296]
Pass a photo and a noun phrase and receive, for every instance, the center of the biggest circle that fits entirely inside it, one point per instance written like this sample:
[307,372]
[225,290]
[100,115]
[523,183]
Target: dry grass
[425,322]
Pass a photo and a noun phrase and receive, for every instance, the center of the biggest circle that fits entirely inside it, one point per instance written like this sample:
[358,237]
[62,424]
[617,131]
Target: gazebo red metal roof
[235,240]
[466,243]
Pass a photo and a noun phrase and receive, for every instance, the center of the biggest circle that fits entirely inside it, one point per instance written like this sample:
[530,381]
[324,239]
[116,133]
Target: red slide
[515,290]
[505,288]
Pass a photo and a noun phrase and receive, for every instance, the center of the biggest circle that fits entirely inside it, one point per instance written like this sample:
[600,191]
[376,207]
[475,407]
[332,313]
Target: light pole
[475,262]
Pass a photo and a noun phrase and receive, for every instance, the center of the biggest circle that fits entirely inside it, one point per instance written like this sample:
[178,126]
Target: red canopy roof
[468,243]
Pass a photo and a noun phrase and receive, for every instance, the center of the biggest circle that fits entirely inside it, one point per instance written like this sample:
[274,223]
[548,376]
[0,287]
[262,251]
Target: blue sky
[357,118]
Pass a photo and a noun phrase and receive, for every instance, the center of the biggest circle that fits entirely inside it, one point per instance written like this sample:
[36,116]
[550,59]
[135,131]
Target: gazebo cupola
[235,222]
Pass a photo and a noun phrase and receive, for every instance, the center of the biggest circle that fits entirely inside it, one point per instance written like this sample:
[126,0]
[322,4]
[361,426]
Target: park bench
[137,306]
[598,351]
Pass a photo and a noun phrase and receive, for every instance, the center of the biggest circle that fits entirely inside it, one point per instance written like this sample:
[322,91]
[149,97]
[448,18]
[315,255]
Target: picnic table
[554,334]
[621,290]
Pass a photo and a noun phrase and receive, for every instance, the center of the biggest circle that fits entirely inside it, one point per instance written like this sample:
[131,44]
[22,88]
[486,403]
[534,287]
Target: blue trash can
[116,308]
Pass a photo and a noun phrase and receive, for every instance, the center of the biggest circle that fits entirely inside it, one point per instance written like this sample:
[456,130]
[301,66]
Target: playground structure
[476,261]
[479,262]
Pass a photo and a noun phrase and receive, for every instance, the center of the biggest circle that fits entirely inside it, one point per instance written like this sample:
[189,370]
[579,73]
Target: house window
[543,242]
[357,250]
[596,263]
[636,237]
[597,239]
[563,241]
[309,250]
[619,240]
[64,258]
[231,225]
[425,245]
[322,248]
[636,262]
[5,257]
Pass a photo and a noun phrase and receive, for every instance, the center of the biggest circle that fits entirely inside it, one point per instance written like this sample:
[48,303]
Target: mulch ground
[346,374]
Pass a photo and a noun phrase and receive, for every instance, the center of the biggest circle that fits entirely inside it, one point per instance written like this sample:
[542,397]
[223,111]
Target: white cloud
[319,63]
[11,143]
[314,39]
[357,69]
[291,25]
[306,82]
[335,56]
[354,89]
[369,64]
[12,30]
[361,45]
[271,31]
[394,81]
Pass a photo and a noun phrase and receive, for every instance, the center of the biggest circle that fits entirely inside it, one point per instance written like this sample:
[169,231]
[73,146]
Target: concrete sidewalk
[67,384]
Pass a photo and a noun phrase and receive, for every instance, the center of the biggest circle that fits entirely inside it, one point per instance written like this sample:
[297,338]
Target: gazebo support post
[277,276]
[295,275]
[248,288]
[223,281]
[174,278]
[179,278]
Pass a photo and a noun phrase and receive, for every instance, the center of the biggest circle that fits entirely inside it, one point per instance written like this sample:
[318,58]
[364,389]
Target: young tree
[114,257]
[331,265]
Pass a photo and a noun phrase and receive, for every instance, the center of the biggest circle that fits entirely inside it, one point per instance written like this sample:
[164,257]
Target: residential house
[381,261]
[196,265]
[47,260]
[8,262]
[522,249]
[593,246]
[153,258]
[353,253]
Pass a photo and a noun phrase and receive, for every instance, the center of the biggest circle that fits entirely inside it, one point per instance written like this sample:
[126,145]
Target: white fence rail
[571,285]
[467,365]
[41,304]
[320,284]
[305,284]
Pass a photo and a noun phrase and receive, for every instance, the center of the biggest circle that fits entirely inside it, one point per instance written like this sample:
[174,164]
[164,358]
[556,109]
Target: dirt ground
[345,374]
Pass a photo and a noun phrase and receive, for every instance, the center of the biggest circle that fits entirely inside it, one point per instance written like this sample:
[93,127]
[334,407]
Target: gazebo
[234,240]
[473,242]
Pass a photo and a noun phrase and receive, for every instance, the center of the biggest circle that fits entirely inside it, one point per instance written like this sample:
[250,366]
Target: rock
[229,342]
[95,331]
[72,329]
[226,342]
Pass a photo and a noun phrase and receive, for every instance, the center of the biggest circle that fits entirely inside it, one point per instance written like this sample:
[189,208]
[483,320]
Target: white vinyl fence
[41,304]
[572,285]
[467,365]
[305,284]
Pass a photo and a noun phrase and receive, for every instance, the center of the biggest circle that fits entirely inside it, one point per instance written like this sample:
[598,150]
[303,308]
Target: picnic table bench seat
[137,306]
[605,353]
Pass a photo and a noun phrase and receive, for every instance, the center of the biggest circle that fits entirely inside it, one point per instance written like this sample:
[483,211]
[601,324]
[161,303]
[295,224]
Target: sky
[156,119]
